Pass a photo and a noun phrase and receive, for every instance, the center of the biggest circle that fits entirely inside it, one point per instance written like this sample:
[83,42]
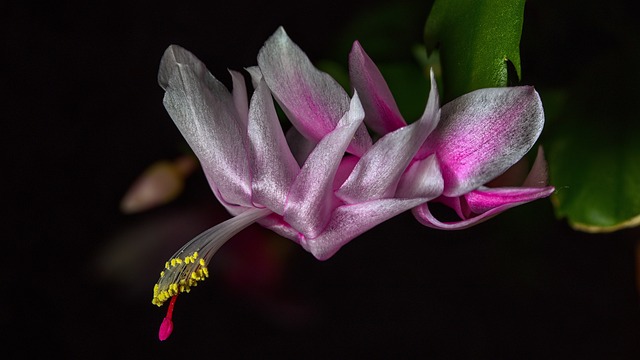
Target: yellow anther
[180,275]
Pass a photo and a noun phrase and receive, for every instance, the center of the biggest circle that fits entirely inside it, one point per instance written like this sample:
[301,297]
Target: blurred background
[84,118]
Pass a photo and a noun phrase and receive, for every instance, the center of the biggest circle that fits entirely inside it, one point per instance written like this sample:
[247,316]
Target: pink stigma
[167,325]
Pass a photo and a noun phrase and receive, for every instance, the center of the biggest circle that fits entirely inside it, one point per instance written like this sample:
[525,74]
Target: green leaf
[593,149]
[476,40]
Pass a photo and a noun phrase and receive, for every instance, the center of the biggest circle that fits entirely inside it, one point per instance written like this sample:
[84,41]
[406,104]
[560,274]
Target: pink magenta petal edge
[382,113]
[483,133]
[313,101]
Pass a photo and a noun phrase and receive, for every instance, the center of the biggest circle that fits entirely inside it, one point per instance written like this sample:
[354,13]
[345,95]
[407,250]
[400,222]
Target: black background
[83,116]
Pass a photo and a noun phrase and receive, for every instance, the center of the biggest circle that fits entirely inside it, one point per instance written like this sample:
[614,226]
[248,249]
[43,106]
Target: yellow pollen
[180,275]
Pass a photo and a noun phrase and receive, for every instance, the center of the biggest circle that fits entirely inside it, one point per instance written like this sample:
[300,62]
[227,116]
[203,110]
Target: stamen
[188,266]
[166,328]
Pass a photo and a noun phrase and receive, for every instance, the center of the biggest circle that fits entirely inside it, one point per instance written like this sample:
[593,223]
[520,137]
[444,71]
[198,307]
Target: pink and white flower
[325,182]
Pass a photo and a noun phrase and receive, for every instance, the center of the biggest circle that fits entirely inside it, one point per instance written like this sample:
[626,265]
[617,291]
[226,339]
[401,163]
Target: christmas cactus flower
[321,204]
[325,182]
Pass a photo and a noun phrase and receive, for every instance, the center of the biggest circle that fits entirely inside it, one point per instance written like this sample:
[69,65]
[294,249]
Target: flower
[323,203]
[326,181]
[480,135]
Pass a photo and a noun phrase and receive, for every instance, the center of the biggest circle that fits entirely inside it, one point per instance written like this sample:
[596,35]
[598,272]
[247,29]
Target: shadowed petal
[256,75]
[273,167]
[300,146]
[311,198]
[349,221]
[483,133]
[534,187]
[204,111]
[382,113]
[239,93]
[539,174]
[422,179]
[423,214]
[377,173]
[312,100]
[483,203]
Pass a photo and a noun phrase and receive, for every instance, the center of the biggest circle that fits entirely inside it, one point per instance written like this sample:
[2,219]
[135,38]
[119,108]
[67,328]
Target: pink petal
[312,100]
[483,133]
[345,168]
[423,214]
[382,113]
[377,173]
[349,221]
[273,167]
[311,197]
[205,112]
[485,199]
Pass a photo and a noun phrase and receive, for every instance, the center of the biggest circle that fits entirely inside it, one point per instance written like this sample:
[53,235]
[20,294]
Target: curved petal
[311,198]
[205,113]
[239,93]
[457,204]
[276,223]
[483,133]
[382,113]
[423,214]
[312,100]
[256,75]
[422,179]
[349,221]
[273,167]
[300,146]
[485,199]
[534,187]
[345,168]
[377,173]
[491,204]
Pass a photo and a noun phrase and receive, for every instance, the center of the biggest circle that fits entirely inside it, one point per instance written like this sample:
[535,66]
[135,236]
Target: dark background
[83,117]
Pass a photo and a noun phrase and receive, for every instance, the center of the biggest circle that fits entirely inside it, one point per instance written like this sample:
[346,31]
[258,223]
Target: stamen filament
[188,265]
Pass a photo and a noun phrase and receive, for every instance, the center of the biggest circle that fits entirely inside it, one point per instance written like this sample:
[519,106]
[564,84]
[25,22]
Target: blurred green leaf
[476,40]
[409,86]
[593,149]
